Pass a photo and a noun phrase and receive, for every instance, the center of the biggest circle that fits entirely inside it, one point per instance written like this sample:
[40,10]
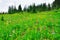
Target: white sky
[4,4]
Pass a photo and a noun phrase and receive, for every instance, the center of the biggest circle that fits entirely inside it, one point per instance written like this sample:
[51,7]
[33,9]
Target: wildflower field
[30,26]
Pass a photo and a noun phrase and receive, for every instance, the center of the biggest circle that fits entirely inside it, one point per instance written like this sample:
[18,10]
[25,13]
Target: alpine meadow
[35,22]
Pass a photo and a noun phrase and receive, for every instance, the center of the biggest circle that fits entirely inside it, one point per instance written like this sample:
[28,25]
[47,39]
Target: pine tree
[34,8]
[44,7]
[56,4]
[41,7]
[14,9]
[49,7]
[25,9]
[29,9]
[19,8]
[2,18]
[9,10]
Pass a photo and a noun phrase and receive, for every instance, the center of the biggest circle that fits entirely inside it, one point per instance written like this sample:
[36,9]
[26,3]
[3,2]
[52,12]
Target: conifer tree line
[56,4]
[33,8]
[13,9]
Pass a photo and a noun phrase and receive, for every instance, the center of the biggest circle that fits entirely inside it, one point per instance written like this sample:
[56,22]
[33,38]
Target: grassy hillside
[28,26]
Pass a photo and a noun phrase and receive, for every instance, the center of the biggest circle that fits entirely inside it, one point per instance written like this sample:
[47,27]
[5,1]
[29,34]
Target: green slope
[28,26]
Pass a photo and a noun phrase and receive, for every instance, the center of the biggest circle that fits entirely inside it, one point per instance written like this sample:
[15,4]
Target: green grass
[28,26]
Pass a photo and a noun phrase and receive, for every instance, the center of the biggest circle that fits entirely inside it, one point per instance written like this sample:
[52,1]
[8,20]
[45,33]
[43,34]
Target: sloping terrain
[28,26]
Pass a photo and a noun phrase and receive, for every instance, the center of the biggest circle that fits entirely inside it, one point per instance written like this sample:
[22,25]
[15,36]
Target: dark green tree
[56,4]
[29,9]
[2,18]
[44,7]
[19,8]
[14,9]
[25,9]
[39,7]
[49,7]
[34,8]
[9,10]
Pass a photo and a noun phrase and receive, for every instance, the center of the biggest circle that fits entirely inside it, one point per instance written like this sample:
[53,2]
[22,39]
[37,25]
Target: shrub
[2,18]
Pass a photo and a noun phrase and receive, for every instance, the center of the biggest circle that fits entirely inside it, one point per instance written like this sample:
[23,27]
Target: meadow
[30,26]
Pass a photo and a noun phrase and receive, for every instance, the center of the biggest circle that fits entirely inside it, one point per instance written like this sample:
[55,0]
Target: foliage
[56,4]
[2,18]
[12,9]
[19,8]
[49,7]
[44,7]
[32,8]
[25,9]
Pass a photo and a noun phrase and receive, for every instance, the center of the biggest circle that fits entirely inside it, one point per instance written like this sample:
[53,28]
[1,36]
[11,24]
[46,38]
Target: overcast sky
[4,4]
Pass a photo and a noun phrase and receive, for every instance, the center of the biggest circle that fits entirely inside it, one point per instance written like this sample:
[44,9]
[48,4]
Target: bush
[2,18]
